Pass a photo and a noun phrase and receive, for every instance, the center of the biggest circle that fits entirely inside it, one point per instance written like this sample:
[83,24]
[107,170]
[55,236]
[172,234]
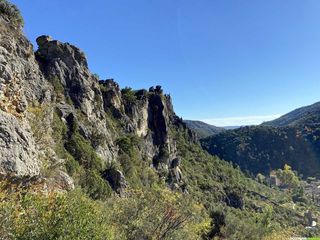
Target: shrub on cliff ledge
[128,95]
[11,12]
[83,152]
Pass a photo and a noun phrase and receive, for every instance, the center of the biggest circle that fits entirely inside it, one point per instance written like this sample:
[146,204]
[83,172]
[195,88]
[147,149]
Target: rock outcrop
[21,83]
[56,78]
[149,115]
[66,68]
[21,80]
[67,65]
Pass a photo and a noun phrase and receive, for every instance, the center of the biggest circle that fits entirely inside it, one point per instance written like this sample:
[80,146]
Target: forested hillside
[261,149]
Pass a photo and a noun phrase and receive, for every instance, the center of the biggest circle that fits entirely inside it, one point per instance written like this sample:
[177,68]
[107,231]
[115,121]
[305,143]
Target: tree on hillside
[288,177]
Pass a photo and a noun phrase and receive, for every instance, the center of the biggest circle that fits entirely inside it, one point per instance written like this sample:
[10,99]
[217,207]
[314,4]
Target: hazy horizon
[239,121]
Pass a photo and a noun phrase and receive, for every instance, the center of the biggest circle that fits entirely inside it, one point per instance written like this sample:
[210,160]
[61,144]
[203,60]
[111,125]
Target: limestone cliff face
[150,116]
[77,91]
[67,64]
[18,153]
[21,83]
[56,78]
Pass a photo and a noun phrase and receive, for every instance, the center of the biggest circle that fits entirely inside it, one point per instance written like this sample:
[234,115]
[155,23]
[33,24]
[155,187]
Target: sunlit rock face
[18,154]
[56,78]
[21,83]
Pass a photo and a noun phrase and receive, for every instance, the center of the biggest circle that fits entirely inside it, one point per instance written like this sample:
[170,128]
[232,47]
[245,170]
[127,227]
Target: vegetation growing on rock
[11,13]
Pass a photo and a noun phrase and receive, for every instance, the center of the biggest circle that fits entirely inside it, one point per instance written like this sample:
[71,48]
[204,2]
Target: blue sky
[228,62]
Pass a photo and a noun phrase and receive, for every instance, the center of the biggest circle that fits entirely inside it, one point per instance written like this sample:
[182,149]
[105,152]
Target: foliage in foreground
[157,214]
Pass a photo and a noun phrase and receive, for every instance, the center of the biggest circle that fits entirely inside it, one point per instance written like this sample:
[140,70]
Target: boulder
[61,181]
[42,40]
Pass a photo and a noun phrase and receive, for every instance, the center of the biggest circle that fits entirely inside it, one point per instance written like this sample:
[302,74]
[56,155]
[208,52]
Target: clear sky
[228,62]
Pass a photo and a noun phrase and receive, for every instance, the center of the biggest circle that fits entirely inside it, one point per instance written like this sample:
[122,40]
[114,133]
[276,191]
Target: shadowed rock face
[157,120]
[111,95]
[116,180]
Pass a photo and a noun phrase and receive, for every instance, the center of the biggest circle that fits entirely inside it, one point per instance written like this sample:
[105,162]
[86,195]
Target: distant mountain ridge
[301,116]
[203,129]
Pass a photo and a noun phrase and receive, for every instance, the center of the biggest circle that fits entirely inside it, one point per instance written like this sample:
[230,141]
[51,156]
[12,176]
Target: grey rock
[21,83]
[42,40]
[67,64]
[20,77]
[17,148]
[112,98]
[61,181]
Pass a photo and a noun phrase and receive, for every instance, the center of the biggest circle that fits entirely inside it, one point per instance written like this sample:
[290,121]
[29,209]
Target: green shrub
[83,152]
[11,12]
[128,95]
[58,87]
[27,214]
[131,168]
[39,124]
[94,185]
[30,214]
[83,163]
[288,177]
[72,165]
[59,134]
[125,145]
[128,143]
[158,214]
[136,169]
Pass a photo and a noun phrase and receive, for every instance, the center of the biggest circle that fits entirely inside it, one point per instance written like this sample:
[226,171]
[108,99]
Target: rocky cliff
[21,84]
[54,84]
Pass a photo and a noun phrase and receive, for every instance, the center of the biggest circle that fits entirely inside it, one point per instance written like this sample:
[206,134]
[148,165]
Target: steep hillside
[308,115]
[203,129]
[261,149]
[292,139]
[81,158]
